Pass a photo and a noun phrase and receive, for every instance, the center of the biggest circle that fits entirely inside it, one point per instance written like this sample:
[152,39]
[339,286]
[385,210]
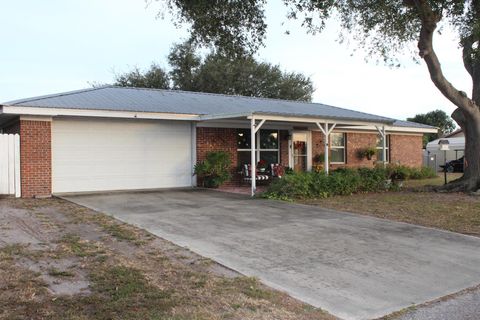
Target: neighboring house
[113,138]
[455,134]
[436,158]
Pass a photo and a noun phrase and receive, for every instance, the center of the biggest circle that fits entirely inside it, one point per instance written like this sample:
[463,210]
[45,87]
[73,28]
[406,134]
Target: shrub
[342,181]
[318,185]
[214,170]
[398,172]
[422,173]
[373,179]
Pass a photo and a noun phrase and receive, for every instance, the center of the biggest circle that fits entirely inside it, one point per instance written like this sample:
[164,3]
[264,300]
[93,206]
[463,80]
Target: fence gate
[10,164]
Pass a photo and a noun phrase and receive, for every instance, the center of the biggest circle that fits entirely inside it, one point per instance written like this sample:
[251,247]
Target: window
[380,148]
[266,146]
[337,147]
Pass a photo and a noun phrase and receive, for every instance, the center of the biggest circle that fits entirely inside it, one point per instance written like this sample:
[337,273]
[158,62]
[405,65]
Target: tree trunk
[470,181]
[468,113]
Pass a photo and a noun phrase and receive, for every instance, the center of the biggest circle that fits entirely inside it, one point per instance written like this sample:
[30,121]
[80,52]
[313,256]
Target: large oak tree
[217,73]
[385,28]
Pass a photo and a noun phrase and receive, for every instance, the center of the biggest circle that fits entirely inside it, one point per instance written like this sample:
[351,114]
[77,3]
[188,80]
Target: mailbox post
[444,146]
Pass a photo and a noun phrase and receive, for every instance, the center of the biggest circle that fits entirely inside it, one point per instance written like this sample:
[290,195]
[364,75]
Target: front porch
[298,143]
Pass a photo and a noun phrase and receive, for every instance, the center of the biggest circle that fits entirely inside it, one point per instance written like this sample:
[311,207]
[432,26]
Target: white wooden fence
[10,164]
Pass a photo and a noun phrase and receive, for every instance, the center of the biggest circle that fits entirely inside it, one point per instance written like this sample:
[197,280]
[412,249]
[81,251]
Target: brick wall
[284,148]
[218,139]
[225,139]
[357,141]
[406,150]
[354,142]
[35,158]
[317,144]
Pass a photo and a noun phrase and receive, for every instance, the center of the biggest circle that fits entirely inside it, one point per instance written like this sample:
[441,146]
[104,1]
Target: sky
[54,46]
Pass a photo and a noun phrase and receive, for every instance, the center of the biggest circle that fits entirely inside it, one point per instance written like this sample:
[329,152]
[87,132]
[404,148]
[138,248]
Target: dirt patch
[62,261]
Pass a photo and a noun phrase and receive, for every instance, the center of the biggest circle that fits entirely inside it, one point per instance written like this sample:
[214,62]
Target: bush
[422,173]
[318,185]
[307,185]
[373,179]
[214,170]
[400,172]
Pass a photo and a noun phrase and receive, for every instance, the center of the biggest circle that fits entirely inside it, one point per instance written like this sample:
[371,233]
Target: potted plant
[214,170]
[262,165]
[318,161]
[368,153]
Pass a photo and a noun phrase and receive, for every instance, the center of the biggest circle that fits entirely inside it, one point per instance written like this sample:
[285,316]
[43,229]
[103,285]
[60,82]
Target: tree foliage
[217,73]
[436,118]
[155,77]
[229,25]
[185,64]
[383,28]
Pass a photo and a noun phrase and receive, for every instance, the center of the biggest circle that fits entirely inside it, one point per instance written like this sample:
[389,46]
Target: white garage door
[100,155]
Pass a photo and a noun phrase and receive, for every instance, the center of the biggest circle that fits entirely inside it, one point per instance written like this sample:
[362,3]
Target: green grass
[78,247]
[437,181]
[125,291]
[252,288]
[120,232]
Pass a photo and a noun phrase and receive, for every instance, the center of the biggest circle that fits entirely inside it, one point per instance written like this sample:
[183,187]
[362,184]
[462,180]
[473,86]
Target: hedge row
[307,185]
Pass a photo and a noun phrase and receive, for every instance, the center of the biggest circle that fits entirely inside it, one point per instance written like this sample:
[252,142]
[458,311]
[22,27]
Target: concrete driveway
[353,266]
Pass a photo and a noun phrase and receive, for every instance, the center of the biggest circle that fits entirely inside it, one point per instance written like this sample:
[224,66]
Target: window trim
[257,144]
[344,147]
[387,147]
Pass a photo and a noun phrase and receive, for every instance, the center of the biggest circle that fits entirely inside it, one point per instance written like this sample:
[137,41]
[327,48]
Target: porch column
[326,133]
[383,134]
[253,163]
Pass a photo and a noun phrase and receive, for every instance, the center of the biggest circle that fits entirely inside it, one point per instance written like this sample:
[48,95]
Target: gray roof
[113,98]
[409,124]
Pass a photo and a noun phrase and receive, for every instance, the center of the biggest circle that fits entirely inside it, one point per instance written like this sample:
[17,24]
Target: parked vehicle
[454,165]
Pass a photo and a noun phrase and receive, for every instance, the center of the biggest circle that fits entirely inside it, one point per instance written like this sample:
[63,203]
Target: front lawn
[455,212]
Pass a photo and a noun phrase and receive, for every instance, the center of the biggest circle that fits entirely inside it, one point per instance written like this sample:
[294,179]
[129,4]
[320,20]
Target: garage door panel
[100,155]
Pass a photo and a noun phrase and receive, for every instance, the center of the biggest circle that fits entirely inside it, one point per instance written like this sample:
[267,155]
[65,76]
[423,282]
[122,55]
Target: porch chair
[247,174]
[277,170]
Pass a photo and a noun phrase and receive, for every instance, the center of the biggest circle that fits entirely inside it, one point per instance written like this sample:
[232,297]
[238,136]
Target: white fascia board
[36,118]
[314,120]
[223,116]
[392,128]
[53,112]
[244,124]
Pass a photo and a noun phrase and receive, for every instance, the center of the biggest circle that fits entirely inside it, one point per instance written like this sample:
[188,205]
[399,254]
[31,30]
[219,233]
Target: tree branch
[429,20]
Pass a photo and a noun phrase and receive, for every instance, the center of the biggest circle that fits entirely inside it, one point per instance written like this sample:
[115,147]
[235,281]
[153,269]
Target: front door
[300,151]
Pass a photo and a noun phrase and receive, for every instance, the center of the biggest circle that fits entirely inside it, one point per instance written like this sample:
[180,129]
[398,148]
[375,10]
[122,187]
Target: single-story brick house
[113,138]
